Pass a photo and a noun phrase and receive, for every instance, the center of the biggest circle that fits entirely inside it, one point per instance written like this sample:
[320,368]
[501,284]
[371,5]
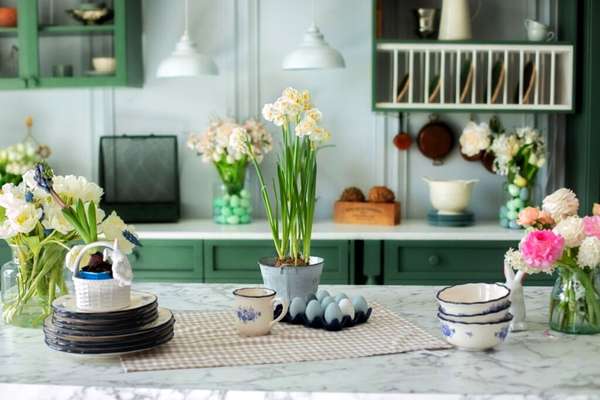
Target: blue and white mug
[253,310]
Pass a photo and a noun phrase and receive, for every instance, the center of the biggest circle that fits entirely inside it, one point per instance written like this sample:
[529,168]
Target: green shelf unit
[448,262]
[237,260]
[121,39]
[168,261]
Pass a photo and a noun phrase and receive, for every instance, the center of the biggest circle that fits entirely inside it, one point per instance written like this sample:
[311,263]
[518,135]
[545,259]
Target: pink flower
[528,216]
[541,249]
[591,226]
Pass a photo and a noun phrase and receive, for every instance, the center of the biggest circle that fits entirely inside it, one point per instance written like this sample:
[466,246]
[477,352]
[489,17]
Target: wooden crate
[347,212]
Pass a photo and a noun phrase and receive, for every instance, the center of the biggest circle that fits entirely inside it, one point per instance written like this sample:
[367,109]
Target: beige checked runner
[210,339]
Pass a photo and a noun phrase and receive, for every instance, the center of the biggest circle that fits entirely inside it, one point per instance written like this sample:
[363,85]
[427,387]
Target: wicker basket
[99,295]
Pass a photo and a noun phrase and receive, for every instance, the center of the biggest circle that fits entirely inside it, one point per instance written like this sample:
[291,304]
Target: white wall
[249,58]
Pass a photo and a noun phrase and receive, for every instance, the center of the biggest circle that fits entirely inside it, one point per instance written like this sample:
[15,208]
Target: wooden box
[346,212]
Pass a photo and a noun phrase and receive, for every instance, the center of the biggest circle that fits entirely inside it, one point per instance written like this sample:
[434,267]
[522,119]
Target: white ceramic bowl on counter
[493,316]
[473,299]
[475,336]
[450,197]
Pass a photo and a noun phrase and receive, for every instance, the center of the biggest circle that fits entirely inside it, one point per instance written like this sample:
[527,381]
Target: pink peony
[528,216]
[591,226]
[541,249]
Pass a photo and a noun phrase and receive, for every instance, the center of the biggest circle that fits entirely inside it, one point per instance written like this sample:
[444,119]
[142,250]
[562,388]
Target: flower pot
[290,281]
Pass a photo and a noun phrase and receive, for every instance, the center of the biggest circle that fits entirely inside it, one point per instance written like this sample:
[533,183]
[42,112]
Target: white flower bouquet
[558,239]
[220,144]
[39,218]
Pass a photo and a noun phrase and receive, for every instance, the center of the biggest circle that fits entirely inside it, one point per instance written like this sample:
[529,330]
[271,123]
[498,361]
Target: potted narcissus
[294,271]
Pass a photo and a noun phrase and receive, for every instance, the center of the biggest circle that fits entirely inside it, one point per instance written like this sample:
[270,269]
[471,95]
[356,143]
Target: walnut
[381,194]
[353,194]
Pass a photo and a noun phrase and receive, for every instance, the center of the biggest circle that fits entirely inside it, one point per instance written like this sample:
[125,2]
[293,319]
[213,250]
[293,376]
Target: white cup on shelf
[538,32]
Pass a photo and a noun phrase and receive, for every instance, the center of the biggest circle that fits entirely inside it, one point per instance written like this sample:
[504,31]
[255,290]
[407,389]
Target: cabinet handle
[433,260]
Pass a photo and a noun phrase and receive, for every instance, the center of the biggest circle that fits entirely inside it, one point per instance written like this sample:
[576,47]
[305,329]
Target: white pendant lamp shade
[314,53]
[186,61]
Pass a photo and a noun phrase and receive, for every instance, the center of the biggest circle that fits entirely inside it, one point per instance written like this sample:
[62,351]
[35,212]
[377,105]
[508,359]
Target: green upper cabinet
[50,49]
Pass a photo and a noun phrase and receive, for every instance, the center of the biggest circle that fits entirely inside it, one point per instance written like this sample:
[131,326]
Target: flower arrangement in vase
[294,272]
[40,218]
[219,145]
[518,155]
[559,240]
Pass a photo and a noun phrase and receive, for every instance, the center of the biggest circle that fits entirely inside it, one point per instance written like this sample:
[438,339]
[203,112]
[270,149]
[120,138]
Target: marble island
[206,229]
[536,364]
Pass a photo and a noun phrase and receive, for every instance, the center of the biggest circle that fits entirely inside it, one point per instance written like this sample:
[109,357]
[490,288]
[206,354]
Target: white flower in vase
[54,219]
[23,219]
[475,138]
[71,188]
[589,252]
[571,229]
[561,204]
[114,228]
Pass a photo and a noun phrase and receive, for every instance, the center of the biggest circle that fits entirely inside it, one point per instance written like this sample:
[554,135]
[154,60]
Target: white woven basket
[99,295]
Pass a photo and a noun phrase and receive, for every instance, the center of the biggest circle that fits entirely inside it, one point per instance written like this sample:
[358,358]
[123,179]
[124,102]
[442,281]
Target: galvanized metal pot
[290,281]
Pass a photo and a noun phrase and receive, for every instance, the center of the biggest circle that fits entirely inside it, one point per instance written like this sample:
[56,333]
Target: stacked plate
[474,316]
[140,326]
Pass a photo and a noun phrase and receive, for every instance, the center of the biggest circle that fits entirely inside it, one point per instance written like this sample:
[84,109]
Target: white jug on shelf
[455,23]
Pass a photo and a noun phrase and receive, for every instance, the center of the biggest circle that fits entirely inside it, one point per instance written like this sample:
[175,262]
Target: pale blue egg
[518,203]
[233,220]
[327,301]
[219,219]
[321,294]
[226,211]
[332,313]
[297,306]
[512,215]
[513,190]
[313,310]
[244,194]
[244,219]
[347,308]
[504,223]
[503,211]
[510,205]
[524,194]
[218,202]
[360,304]
[239,211]
[245,203]
[514,225]
[340,296]
[234,201]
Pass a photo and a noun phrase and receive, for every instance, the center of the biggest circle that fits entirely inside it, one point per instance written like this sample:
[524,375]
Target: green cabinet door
[447,262]
[168,260]
[13,61]
[237,260]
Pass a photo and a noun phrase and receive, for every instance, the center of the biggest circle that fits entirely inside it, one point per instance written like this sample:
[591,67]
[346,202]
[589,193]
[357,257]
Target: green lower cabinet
[448,262]
[168,261]
[237,260]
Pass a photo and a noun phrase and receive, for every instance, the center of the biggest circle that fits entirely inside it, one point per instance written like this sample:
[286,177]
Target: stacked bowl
[474,316]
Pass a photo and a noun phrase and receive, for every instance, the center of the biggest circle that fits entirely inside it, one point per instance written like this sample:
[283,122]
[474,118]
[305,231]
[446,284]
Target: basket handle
[87,247]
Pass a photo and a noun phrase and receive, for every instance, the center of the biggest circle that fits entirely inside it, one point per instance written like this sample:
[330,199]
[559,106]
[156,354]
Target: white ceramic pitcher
[455,23]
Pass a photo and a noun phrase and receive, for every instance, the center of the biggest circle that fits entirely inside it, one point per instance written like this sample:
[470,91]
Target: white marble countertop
[536,364]
[328,230]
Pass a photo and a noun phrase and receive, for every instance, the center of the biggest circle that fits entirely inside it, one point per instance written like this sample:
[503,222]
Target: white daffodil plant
[291,214]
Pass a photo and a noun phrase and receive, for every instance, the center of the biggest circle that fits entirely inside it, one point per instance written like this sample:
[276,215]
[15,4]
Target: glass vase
[516,198]
[575,301]
[30,284]
[232,203]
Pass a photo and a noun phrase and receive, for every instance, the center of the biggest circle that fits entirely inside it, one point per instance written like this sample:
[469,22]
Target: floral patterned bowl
[493,316]
[473,299]
[475,336]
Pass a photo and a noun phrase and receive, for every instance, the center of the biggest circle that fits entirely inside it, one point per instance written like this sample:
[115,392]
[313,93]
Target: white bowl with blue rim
[473,299]
[483,317]
[475,336]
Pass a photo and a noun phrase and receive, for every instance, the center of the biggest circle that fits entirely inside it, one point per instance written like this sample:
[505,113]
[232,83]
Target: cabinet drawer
[168,260]
[237,260]
[447,262]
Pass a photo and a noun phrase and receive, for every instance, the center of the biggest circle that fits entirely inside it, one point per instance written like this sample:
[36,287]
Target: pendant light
[186,61]
[314,52]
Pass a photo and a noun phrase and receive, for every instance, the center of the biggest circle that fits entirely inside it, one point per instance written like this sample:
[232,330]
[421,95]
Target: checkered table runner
[210,339]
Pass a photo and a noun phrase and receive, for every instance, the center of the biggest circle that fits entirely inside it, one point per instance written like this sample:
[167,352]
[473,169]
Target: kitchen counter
[535,364]
[206,229]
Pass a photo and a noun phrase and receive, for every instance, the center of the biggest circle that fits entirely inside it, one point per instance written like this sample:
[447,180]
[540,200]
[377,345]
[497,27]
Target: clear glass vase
[517,197]
[575,301]
[30,284]
[231,205]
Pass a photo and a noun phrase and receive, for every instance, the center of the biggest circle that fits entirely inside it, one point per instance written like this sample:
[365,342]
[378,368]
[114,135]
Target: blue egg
[503,211]
[513,190]
[360,304]
[332,313]
[327,301]
[313,310]
[321,294]
[297,306]
[504,223]
[514,225]
[524,194]
[340,296]
[518,203]
[511,205]
[512,215]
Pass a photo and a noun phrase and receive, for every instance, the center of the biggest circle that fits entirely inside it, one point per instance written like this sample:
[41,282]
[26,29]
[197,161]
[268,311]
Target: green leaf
[92,224]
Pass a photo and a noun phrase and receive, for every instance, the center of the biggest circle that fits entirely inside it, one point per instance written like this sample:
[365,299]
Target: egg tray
[360,317]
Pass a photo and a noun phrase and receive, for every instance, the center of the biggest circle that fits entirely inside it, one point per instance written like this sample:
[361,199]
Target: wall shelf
[47,30]
[472,76]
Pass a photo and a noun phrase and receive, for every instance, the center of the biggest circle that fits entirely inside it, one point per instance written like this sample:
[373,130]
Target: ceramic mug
[538,32]
[253,309]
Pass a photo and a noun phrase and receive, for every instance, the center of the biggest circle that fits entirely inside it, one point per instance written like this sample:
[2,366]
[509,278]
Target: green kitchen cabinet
[447,262]
[47,37]
[237,260]
[168,260]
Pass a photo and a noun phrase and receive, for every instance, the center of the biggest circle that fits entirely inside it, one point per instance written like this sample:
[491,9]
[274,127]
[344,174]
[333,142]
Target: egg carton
[360,317]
